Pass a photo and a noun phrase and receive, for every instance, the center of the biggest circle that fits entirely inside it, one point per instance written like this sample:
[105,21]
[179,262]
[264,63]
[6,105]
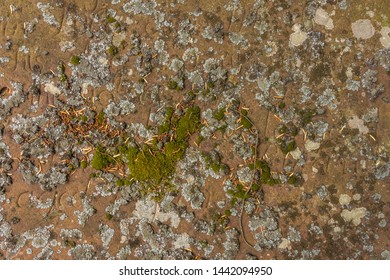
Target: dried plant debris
[238,130]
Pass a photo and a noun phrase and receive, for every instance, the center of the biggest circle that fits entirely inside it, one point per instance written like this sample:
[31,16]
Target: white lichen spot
[385,39]
[4,59]
[140,7]
[87,212]
[298,37]
[102,60]
[285,244]
[106,234]
[245,175]
[322,18]
[182,241]
[363,29]
[354,215]
[52,89]
[311,145]
[296,154]
[67,46]
[24,49]
[238,39]
[47,16]
[355,122]
[150,210]
[40,237]
[118,39]
[344,199]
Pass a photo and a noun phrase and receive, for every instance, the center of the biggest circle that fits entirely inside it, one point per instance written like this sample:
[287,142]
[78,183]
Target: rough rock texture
[218,129]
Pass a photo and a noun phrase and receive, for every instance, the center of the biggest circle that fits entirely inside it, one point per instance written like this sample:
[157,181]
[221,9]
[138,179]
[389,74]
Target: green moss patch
[151,164]
[219,115]
[75,60]
[100,159]
[154,164]
[287,145]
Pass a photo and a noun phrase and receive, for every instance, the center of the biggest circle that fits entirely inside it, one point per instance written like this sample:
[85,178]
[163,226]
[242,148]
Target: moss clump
[287,145]
[151,164]
[110,19]
[166,126]
[306,116]
[123,182]
[63,78]
[266,175]
[214,162]
[219,115]
[292,180]
[282,129]
[61,68]
[154,165]
[290,131]
[70,243]
[112,50]
[281,105]
[100,118]
[227,212]
[293,130]
[189,96]
[245,121]
[255,187]
[61,72]
[83,118]
[188,124]
[75,60]
[222,128]
[173,85]
[84,164]
[109,216]
[199,139]
[238,193]
[100,159]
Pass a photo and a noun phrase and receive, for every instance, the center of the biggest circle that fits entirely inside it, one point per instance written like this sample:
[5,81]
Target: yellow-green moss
[112,50]
[245,122]
[287,145]
[100,159]
[75,60]
[84,164]
[110,19]
[173,85]
[149,163]
[100,118]
[219,115]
